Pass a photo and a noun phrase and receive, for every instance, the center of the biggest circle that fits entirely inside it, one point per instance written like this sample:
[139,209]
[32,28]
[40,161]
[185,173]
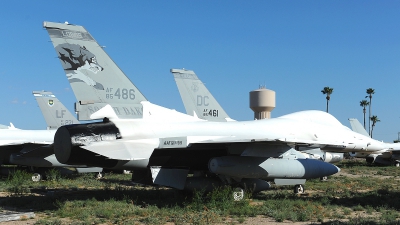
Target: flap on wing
[124,150]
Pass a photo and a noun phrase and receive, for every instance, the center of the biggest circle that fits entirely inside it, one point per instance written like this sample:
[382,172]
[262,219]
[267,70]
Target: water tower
[262,102]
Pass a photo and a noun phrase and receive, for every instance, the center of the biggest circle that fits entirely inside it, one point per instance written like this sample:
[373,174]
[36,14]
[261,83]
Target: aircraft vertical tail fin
[54,112]
[357,127]
[196,97]
[94,77]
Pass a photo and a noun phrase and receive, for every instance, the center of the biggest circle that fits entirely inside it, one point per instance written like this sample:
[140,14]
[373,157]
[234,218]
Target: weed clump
[53,175]
[18,182]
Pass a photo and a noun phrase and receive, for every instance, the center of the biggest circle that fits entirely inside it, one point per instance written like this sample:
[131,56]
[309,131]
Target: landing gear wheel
[298,189]
[99,175]
[323,178]
[238,194]
[36,177]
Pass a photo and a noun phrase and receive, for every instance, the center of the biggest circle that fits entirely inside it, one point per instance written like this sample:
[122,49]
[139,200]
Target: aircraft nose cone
[332,169]
[315,168]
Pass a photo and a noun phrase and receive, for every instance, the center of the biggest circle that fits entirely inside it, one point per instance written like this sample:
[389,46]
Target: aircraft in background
[164,146]
[7,127]
[24,142]
[387,156]
[33,148]
[56,115]
[199,102]
[54,112]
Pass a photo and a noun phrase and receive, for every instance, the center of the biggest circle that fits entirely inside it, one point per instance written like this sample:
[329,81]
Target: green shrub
[17,182]
[53,174]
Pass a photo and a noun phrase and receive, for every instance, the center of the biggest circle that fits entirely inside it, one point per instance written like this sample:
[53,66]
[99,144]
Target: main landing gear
[238,194]
[36,177]
[298,189]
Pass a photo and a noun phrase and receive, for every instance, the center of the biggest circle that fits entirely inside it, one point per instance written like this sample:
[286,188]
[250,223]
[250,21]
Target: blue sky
[292,47]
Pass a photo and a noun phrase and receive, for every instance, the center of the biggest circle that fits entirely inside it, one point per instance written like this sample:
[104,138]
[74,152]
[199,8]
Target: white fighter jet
[163,146]
[389,155]
[199,102]
[33,148]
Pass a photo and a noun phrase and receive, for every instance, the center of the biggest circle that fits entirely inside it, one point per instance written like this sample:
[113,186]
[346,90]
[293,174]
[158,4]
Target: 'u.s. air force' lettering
[173,142]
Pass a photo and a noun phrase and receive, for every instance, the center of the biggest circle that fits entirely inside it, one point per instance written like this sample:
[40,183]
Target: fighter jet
[27,142]
[163,146]
[199,102]
[388,156]
[34,148]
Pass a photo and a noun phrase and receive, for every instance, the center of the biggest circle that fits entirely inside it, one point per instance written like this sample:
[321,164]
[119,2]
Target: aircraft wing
[286,141]
[124,150]
[22,142]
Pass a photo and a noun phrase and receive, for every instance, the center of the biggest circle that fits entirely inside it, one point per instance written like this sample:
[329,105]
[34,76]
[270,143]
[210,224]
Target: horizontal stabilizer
[124,150]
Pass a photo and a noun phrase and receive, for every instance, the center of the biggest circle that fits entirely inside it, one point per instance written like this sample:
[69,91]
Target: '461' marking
[211,112]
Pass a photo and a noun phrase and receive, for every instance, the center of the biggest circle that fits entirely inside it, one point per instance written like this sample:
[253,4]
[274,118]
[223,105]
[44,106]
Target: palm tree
[374,120]
[327,91]
[364,103]
[370,92]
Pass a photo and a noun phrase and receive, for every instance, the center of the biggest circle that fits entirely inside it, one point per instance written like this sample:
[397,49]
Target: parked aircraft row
[33,148]
[202,149]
